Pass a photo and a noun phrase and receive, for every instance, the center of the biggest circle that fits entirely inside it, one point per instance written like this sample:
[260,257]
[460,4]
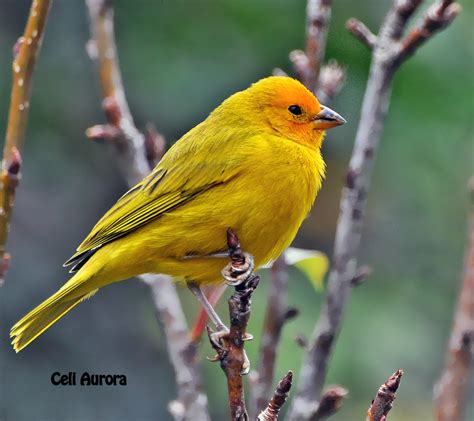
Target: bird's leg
[222,329]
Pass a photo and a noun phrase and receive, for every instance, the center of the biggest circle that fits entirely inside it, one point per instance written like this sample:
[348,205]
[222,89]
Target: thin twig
[308,63]
[438,17]
[331,80]
[324,80]
[134,157]
[361,32]
[451,389]
[331,402]
[386,58]
[230,346]
[282,391]
[383,401]
[25,53]
[275,318]
[120,130]
[192,402]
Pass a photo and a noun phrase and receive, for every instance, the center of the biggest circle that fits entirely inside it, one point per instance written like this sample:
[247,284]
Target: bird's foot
[218,341]
[237,272]
[218,337]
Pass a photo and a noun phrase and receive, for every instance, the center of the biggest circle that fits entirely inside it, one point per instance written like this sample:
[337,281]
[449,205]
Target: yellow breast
[264,204]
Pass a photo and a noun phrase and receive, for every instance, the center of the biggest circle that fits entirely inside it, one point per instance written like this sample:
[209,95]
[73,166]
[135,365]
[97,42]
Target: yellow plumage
[252,165]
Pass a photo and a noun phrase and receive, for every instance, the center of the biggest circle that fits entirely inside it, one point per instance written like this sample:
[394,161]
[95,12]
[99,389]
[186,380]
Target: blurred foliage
[179,60]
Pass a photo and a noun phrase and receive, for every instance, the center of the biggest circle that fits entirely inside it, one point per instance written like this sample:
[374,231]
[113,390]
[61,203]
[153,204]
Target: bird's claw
[216,337]
[235,275]
[213,359]
[247,337]
[245,365]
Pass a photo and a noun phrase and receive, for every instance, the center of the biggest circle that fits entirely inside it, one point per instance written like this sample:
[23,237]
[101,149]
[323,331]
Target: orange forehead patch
[282,91]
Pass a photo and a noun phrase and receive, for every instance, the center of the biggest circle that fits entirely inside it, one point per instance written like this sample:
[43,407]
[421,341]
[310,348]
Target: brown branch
[308,63]
[438,17]
[121,131]
[230,346]
[326,80]
[282,391]
[191,402]
[331,402]
[385,61]
[383,401]
[276,315]
[331,80]
[133,156]
[361,32]
[25,53]
[451,389]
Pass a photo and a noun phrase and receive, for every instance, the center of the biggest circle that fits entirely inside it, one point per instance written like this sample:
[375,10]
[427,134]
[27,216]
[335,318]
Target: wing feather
[176,180]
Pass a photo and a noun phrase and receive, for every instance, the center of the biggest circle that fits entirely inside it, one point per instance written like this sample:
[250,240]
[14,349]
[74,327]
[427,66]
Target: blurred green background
[179,60]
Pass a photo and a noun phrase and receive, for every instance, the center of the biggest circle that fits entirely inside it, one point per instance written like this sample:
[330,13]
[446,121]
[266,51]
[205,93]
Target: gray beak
[327,119]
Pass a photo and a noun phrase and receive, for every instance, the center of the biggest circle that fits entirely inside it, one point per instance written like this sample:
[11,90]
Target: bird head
[284,106]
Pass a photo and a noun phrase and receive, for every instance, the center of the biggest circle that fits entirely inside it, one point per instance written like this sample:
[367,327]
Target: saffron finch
[254,165]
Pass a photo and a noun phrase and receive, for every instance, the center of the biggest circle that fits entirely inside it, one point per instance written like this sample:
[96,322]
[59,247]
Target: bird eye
[295,110]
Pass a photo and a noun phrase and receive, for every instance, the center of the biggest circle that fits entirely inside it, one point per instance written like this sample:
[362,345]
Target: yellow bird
[254,165]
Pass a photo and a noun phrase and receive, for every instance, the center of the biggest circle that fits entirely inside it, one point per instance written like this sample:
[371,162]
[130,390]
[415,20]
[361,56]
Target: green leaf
[313,264]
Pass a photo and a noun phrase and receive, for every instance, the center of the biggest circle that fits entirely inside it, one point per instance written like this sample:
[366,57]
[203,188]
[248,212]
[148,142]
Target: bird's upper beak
[327,118]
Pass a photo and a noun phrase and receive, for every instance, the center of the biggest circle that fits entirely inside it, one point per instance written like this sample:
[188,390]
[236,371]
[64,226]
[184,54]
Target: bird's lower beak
[327,118]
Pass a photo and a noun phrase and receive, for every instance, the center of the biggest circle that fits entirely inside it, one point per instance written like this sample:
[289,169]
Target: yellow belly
[265,205]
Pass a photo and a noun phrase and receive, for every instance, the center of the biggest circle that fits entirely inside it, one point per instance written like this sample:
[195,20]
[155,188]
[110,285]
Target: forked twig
[134,152]
[389,51]
[326,81]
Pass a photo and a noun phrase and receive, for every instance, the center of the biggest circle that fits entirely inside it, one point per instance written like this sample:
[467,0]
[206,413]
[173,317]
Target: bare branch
[332,78]
[275,318]
[128,141]
[134,153]
[325,81]
[331,402]
[385,61]
[438,17]
[282,391]
[383,401]
[318,15]
[230,345]
[191,402]
[25,53]
[361,32]
[451,389]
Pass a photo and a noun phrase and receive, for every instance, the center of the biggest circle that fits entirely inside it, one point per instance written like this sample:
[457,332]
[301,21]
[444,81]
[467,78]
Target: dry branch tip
[361,32]
[331,401]
[282,391]
[383,401]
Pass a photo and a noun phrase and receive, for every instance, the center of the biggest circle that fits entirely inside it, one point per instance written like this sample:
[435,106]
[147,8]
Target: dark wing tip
[79,259]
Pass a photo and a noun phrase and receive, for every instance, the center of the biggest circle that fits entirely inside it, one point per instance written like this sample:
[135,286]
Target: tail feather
[47,313]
